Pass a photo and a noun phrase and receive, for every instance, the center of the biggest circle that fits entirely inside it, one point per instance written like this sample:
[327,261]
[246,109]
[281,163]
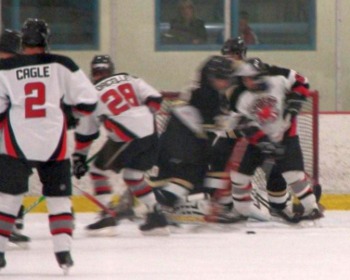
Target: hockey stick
[33,205]
[94,200]
[42,197]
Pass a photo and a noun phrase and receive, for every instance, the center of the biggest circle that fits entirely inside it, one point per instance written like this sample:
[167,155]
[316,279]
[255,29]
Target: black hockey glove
[80,166]
[294,103]
[271,150]
[71,120]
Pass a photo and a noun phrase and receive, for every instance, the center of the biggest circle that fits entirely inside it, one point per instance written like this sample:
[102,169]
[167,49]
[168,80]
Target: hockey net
[307,130]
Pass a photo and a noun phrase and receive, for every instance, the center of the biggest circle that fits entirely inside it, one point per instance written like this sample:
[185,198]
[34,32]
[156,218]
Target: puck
[250,232]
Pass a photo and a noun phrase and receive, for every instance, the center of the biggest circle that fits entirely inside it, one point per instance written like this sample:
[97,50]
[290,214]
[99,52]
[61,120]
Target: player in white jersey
[10,45]
[269,107]
[126,109]
[34,135]
[277,191]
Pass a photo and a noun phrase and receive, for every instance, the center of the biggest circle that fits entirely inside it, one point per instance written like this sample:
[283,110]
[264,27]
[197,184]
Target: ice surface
[315,251]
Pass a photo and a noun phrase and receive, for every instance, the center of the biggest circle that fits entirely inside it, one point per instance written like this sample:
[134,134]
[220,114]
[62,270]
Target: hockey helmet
[252,67]
[10,41]
[102,64]
[219,67]
[234,46]
[35,33]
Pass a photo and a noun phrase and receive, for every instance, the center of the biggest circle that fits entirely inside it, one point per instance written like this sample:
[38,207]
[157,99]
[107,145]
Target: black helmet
[102,63]
[219,67]
[234,46]
[35,33]
[10,41]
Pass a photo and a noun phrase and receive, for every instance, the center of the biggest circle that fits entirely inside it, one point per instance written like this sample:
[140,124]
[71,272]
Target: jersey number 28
[120,99]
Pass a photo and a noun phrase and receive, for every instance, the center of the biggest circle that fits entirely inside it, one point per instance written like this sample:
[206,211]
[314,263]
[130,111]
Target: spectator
[186,28]
[245,31]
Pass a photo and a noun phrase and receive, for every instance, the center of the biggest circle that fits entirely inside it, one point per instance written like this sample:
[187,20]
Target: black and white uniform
[125,109]
[34,134]
[192,157]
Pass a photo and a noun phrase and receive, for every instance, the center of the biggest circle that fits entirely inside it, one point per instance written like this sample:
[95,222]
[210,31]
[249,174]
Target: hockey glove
[271,150]
[71,120]
[294,103]
[80,166]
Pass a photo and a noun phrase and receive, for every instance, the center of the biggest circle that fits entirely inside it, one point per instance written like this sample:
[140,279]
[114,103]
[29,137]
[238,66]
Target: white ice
[316,251]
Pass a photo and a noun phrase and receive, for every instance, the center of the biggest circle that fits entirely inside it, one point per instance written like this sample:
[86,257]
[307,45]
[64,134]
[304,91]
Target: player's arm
[80,93]
[85,133]
[147,94]
[297,93]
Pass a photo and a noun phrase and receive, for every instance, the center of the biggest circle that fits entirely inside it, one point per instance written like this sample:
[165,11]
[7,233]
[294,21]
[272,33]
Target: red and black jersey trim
[61,149]
[84,108]
[38,59]
[154,102]
[11,145]
[86,138]
[119,130]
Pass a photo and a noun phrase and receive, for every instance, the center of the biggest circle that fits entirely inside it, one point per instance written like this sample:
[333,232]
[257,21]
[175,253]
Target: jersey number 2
[35,97]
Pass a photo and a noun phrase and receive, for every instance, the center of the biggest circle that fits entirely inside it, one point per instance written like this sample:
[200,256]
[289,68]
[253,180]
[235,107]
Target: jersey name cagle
[32,88]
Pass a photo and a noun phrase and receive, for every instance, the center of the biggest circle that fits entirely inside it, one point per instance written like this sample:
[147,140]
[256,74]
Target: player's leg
[57,188]
[139,157]
[14,177]
[105,225]
[279,197]
[292,167]
[217,181]
[241,181]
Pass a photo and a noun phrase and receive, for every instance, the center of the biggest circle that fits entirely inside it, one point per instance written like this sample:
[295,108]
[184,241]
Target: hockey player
[235,49]
[188,145]
[32,87]
[126,110]
[10,45]
[266,105]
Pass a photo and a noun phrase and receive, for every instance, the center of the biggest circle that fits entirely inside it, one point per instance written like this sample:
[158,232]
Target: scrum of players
[237,102]
[241,115]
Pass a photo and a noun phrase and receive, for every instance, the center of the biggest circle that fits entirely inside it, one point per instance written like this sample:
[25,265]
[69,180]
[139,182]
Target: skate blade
[103,232]
[18,245]
[164,231]
[65,269]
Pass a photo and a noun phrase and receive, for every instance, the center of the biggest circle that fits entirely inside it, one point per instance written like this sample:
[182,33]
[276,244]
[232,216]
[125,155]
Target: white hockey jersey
[122,108]
[266,107]
[32,88]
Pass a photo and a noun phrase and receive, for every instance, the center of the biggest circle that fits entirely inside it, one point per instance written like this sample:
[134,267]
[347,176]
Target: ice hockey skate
[223,214]
[64,260]
[124,207]
[156,224]
[20,240]
[104,226]
[312,210]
